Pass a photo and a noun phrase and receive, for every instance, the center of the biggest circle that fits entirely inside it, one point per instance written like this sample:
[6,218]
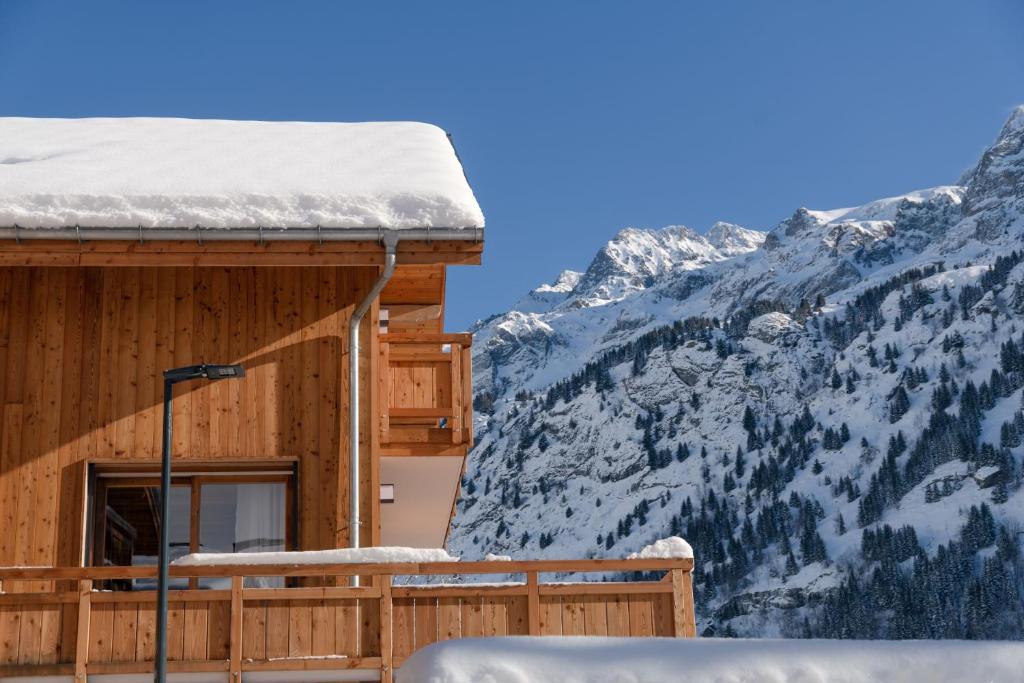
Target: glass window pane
[131,533]
[242,518]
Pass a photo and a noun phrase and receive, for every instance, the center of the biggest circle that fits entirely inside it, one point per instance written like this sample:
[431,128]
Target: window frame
[104,476]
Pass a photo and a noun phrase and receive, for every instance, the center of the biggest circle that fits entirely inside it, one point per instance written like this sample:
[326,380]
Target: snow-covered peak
[565,282]
[1014,124]
[994,201]
[635,258]
[731,239]
[549,295]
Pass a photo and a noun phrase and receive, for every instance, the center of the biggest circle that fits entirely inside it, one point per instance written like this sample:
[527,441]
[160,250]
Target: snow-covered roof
[170,173]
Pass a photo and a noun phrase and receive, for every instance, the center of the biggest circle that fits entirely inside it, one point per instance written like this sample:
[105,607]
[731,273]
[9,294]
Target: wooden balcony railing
[53,621]
[426,394]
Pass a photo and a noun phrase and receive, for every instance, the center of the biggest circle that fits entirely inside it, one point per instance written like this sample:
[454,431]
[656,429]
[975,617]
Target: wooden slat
[518,617]
[641,616]
[551,616]
[175,631]
[595,615]
[145,644]
[324,624]
[126,626]
[101,633]
[300,628]
[426,621]
[617,609]
[346,628]
[494,615]
[449,618]
[661,606]
[254,630]
[369,628]
[196,631]
[276,630]
[572,616]
[472,619]
[404,641]
[10,633]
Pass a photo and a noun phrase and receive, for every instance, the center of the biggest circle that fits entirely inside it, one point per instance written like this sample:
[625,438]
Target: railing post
[456,392]
[235,665]
[384,401]
[387,669]
[683,619]
[82,639]
[532,604]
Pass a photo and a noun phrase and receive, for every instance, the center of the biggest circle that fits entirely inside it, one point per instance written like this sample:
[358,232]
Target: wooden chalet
[131,246]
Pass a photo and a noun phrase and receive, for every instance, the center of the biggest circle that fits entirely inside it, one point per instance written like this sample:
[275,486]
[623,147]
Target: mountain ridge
[782,399]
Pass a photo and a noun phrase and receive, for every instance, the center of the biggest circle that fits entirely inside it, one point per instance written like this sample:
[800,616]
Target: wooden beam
[235,638]
[532,604]
[412,313]
[684,622]
[387,671]
[461,591]
[82,639]
[346,569]
[461,338]
[312,664]
[605,588]
[187,253]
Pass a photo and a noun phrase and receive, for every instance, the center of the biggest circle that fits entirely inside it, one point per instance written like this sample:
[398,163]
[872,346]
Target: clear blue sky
[574,119]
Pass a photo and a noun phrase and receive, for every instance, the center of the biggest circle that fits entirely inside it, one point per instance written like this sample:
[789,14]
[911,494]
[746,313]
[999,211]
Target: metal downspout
[390,258]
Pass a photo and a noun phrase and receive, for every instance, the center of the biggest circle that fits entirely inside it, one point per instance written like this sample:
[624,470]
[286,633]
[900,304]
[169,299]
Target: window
[212,512]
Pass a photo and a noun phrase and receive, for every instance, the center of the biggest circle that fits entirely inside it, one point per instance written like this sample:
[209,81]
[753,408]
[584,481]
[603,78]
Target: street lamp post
[172,377]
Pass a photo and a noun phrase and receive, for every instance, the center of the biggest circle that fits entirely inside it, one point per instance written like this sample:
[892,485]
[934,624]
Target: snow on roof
[556,659]
[169,173]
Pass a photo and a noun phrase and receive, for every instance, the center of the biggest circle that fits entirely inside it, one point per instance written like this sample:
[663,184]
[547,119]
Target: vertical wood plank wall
[81,356]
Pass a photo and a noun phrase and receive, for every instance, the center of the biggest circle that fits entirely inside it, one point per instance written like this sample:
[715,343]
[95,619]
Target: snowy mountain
[830,412]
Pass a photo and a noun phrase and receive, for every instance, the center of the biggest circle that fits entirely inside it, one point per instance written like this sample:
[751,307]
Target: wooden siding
[81,356]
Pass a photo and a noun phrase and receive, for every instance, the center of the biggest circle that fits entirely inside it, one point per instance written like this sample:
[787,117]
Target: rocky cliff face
[830,412]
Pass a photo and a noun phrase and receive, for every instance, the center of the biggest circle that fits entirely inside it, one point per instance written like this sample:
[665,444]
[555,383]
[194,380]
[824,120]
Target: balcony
[426,394]
[53,621]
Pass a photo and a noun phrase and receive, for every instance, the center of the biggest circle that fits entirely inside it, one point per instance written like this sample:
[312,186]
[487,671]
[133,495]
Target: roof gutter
[391,240]
[258,234]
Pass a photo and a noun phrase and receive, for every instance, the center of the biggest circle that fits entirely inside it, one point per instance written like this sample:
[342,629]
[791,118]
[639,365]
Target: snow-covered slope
[792,402]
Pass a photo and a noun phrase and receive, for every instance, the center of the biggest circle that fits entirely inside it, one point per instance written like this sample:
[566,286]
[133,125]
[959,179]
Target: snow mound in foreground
[382,554]
[657,660]
[672,547]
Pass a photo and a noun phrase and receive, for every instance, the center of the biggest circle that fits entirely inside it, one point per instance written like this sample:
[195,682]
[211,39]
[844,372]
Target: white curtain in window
[260,523]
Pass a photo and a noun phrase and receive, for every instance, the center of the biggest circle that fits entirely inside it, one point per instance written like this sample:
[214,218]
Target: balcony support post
[387,659]
[82,636]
